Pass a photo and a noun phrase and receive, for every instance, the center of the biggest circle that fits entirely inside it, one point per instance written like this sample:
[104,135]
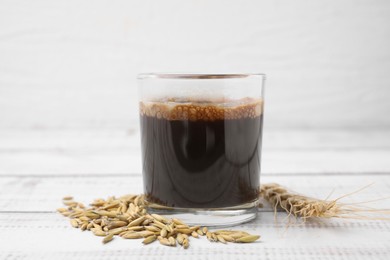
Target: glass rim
[198,75]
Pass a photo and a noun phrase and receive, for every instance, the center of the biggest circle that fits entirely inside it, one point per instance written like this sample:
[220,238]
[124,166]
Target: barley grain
[131,235]
[137,221]
[247,239]
[172,241]
[153,228]
[160,218]
[163,232]
[180,239]
[178,222]
[116,224]
[186,244]
[221,239]
[184,230]
[149,239]
[108,238]
[165,242]
[74,223]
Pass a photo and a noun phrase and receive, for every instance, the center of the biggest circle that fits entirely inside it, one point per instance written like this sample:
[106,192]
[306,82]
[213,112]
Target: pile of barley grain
[127,217]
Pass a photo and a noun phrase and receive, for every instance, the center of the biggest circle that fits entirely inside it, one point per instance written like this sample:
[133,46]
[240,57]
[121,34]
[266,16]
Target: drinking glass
[201,145]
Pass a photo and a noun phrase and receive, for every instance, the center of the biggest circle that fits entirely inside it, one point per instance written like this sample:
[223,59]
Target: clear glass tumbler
[201,145]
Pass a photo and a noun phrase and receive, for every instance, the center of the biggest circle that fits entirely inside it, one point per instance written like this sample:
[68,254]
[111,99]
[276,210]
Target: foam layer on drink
[175,109]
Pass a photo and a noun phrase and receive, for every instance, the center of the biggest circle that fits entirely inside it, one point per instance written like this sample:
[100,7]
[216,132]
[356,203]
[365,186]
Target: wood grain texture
[44,193]
[117,151]
[28,236]
[72,64]
[38,167]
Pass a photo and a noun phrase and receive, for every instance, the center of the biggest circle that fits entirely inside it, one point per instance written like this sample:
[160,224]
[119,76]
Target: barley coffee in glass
[201,145]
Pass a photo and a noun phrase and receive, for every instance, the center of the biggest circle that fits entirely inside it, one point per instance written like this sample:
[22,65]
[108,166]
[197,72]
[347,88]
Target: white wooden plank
[327,63]
[91,139]
[50,236]
[122,162]
[45,193]
[89,151]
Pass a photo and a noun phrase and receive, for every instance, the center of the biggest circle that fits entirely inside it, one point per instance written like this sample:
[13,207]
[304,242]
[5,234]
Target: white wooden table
[38,167]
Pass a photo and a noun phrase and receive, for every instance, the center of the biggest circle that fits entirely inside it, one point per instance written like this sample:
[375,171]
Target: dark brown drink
[201,154]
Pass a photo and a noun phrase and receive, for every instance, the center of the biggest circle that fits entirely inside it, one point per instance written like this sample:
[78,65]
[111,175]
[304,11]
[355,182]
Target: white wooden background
[73,63]
[69,122]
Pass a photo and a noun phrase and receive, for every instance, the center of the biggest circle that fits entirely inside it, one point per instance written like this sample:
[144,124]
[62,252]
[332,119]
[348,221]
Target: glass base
[216,217]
